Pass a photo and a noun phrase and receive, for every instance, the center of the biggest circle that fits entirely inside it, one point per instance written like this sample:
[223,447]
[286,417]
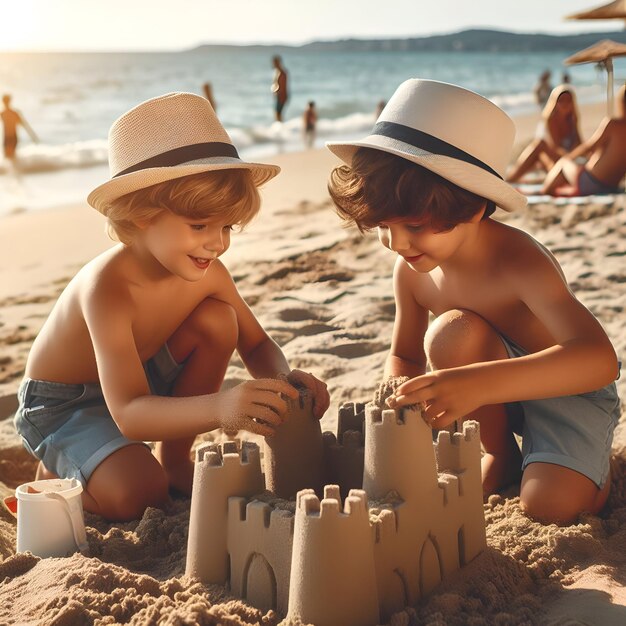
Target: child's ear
[143,223]
[479,214]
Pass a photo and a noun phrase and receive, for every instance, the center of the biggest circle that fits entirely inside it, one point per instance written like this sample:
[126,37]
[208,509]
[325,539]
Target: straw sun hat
[165,138]
[449,130]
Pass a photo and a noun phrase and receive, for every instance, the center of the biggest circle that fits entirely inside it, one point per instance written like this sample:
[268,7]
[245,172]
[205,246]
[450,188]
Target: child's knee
[458,337]
[549,508]
[129,501]
[551,494]
[215,321]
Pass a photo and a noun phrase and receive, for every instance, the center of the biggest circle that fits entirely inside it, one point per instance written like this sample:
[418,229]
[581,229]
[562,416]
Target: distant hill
[474,40]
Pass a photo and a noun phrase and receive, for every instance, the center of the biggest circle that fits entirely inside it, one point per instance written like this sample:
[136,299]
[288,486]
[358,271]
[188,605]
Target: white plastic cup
[50,518]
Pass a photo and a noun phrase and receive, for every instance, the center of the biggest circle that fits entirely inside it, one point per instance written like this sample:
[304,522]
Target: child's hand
[444,396]
[321,398]
[256,406]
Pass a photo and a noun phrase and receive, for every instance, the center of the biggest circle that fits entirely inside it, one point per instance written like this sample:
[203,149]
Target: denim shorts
[69,427]
[572,431]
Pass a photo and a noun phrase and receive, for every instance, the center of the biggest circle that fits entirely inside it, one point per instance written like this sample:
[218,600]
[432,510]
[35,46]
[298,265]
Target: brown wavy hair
[380,186]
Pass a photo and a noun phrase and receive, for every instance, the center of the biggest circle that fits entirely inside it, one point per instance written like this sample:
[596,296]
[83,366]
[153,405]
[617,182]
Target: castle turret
[333,581]
[260,540]
[459,454]
[344,452]
[399,454]
[220,471]
[294,455]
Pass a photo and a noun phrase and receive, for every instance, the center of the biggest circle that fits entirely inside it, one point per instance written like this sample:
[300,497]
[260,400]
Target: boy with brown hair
[510,345]
[137,346]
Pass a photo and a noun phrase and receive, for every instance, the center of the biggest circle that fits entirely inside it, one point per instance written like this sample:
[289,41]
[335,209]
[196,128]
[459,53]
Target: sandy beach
[325,294]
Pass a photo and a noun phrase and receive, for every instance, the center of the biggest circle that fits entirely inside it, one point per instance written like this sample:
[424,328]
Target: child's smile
[200,262]
[186,247]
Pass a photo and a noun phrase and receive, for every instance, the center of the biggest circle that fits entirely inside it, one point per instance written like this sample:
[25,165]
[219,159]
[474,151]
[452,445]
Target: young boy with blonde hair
[510,345]
[137,346]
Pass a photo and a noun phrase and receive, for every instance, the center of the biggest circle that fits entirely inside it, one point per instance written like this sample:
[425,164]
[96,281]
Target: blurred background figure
[566,79]
[279,87]
[207,90]
[379,108]
[543,88]
[309,120]
[11,119]
[605,164]
[558,134]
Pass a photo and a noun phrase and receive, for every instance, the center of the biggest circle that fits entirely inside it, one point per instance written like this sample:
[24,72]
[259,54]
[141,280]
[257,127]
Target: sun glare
[21,26]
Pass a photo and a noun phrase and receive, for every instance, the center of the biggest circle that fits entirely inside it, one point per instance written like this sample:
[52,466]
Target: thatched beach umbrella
[602,53]
[611,11]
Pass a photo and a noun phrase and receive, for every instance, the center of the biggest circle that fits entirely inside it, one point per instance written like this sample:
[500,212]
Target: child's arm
[258,351]
[255,405]
[406,356]
[581,360]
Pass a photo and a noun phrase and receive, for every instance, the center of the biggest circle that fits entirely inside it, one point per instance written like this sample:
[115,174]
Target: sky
[83,25]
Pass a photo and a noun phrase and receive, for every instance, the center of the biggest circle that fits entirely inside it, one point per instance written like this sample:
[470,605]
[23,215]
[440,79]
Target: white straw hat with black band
[449,130]
[165,138]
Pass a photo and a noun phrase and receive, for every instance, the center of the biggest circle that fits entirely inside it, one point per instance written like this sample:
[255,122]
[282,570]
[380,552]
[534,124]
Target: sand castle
[328,564]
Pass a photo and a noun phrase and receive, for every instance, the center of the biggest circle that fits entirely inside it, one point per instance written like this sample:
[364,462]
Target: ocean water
[70,100]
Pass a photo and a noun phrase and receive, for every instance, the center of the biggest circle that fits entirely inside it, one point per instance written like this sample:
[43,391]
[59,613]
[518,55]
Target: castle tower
[399,455]
[220,471]
[294,455]
[459,454]
[344,453]
[333,579]
[260,542]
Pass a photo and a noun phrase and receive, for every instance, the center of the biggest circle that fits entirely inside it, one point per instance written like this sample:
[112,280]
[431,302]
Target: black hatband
[184,154]
[430,143]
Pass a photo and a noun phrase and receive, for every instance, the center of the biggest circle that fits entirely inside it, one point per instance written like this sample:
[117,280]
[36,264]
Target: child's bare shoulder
[517,253]
[105,282]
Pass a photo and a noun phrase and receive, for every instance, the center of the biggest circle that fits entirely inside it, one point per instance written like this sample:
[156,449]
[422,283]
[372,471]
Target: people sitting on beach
[11,120]
[558,134]
[137,346]
[606,165]
[510,345]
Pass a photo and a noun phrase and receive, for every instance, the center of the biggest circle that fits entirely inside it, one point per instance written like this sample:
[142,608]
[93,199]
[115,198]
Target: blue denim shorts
[572,431]
[70,428]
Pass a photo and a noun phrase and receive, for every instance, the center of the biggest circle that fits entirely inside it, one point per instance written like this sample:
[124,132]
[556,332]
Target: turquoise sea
[71,99]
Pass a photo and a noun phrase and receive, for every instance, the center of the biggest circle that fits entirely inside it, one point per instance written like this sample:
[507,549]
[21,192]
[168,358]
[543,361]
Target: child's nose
[398,240]
[216,241]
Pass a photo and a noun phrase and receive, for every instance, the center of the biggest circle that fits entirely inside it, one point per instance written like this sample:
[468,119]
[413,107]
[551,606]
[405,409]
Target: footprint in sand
[353,350]
[337,276]
[302,314]
[314,329]
[617,278]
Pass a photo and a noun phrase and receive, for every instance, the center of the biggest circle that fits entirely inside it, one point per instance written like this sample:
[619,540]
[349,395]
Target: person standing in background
[279,87]
[11,119]
[309,120]
[543,88]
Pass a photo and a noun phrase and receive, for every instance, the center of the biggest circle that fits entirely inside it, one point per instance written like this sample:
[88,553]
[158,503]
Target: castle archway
[395,595]
[430,566]
[260,583]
